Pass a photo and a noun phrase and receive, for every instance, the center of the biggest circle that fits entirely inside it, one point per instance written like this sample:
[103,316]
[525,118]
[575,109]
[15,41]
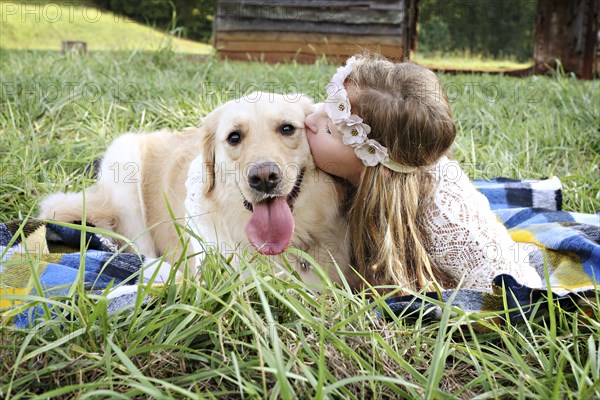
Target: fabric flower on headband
[371,153]
[337,107]
[354,131]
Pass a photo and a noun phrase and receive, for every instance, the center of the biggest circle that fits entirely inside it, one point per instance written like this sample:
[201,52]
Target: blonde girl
[415,217]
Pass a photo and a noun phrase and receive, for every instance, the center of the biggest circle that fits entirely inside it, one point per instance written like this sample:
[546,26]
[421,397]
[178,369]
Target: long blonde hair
[408,112]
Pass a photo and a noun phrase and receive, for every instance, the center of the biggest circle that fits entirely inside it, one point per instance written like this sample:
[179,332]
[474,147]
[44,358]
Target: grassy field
[42,25]
[268,336]
[467,62]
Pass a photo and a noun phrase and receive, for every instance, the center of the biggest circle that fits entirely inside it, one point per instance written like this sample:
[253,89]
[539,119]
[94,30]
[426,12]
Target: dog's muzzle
[271,226]
[265,179]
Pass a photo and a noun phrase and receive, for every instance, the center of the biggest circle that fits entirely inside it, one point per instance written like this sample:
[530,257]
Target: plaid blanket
[50,253]
[564,245]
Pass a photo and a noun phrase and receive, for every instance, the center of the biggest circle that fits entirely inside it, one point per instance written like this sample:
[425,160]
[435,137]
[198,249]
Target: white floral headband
[354,131]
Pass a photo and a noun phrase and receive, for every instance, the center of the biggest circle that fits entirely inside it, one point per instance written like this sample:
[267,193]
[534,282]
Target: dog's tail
[96,210]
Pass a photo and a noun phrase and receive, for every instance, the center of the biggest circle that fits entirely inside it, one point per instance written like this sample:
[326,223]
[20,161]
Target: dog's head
[255,150]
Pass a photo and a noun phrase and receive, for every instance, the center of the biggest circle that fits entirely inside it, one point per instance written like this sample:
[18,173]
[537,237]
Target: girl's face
[329,152]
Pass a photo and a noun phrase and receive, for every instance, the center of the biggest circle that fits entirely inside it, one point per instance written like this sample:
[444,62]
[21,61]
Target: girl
[415,218]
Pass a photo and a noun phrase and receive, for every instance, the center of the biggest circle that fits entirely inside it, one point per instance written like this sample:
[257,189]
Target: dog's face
[258,150]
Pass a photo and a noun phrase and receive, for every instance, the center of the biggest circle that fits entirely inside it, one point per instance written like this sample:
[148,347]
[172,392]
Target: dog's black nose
[264,177]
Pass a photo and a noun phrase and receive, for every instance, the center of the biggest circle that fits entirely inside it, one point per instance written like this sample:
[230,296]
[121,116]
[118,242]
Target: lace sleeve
[467,241]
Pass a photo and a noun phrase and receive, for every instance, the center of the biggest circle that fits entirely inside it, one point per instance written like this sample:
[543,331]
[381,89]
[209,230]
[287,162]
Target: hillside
[43,25]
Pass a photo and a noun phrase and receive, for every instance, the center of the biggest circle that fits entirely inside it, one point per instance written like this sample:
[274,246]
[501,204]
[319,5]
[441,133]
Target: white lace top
[467,239]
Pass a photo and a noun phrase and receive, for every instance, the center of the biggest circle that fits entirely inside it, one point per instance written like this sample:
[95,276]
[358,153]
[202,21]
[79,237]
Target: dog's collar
[291,197]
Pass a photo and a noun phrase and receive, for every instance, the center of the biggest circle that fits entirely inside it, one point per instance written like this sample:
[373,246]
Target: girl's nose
[310,123]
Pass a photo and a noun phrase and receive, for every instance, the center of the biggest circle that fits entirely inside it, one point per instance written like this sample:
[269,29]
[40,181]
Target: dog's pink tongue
[271,227]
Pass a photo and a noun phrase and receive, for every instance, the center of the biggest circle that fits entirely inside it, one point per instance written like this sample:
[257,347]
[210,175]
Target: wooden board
[298,15]
[310,48]
[309,26]
[280,57]
[338,4]
[305,38]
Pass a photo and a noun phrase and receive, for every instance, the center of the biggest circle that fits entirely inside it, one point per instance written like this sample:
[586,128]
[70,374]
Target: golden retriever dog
[252,186]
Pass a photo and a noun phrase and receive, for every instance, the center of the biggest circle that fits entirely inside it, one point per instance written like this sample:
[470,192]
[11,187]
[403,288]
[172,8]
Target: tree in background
[193,19]
[496,28]
[567,31]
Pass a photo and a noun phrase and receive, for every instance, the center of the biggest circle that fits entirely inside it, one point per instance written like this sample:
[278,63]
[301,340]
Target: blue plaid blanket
[565,245]
[35,254]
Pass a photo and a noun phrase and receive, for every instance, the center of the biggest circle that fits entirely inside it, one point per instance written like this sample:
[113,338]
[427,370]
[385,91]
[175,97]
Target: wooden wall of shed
[286,30]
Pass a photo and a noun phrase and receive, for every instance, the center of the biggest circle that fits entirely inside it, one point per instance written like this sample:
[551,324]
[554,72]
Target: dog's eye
[234,137]
[287,129]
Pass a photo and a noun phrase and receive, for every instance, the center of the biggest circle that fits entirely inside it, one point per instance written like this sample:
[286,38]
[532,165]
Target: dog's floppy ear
[307,104]
[209,131]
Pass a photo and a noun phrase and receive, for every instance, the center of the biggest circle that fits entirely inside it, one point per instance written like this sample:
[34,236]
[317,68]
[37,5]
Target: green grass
[270,336]
[468,62]
[42,25]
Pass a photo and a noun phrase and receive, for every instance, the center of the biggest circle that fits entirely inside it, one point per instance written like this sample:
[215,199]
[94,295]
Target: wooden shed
[304,30]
